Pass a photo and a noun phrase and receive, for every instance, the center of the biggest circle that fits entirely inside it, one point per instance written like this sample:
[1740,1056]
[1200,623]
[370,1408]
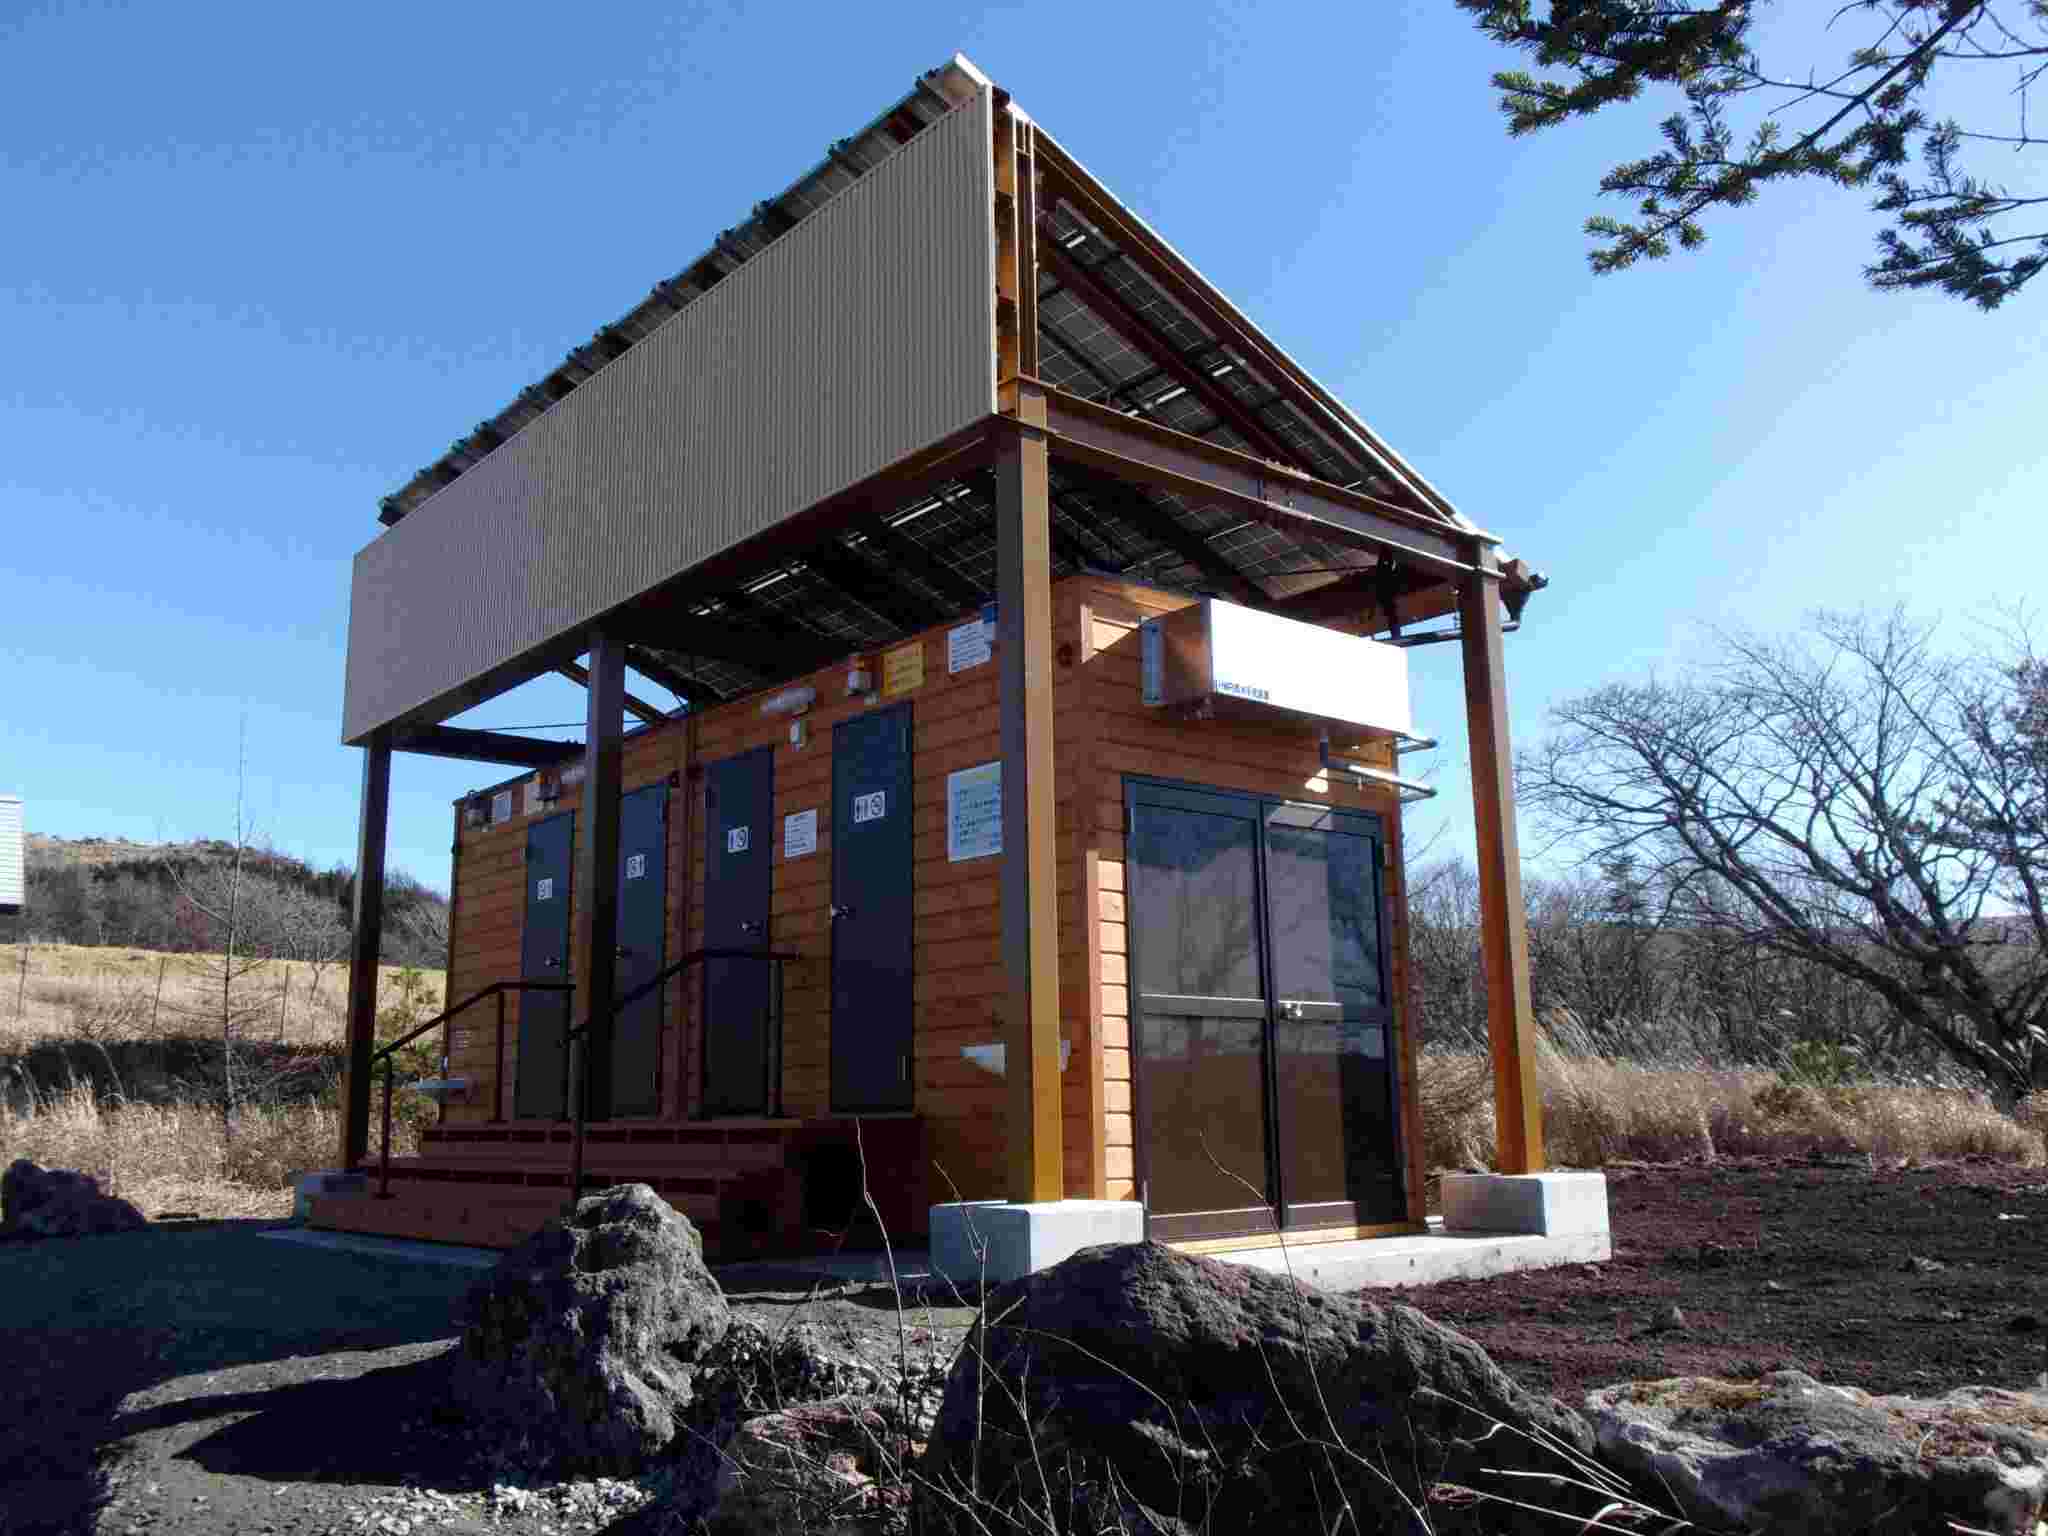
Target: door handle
[552,963]
[838,911]
[622,952]
[752,927]
[1290,1010]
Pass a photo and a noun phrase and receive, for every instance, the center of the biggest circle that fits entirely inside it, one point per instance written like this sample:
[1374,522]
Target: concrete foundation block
[1023,1239]
[332,1181]
[1550,1204]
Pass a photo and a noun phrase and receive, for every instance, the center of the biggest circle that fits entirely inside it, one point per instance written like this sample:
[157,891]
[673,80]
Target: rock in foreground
[55,1202]
[826,1468]
[1225,1398]
[1789,1453]
[586,1339]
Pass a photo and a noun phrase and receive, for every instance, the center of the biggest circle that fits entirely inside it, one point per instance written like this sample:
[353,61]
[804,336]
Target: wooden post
[1029,875]
[1503,931]
[596,944]
[366,943]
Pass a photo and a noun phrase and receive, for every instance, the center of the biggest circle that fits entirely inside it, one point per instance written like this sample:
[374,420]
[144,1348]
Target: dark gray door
[543,1089]
[1338,1152]
[739,820]
[1198,966]
[625,1061]
[1264,1070]
[872,994]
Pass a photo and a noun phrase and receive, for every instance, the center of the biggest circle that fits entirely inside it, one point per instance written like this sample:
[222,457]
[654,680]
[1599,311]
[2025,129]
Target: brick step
[488,1216]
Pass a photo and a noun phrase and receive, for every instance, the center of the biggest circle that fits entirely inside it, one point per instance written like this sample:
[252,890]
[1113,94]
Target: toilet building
[1030,830]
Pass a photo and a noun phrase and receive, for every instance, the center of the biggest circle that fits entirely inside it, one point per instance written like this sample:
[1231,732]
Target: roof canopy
[1123,333]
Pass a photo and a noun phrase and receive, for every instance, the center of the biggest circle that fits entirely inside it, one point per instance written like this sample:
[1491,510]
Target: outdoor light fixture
[791,701]
[547,784]
[477,813]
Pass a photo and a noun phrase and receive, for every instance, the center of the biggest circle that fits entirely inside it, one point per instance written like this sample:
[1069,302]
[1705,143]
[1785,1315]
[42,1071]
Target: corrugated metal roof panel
[12,892]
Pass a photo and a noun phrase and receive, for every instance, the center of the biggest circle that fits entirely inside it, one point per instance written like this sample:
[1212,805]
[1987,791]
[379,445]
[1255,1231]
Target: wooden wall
[1102,732]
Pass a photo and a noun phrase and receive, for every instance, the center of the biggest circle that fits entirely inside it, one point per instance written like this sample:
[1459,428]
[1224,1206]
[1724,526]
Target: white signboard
[636,866]
[799,834]
[974,812]
[967,645]
[736,839]
[871,807]
[544,890]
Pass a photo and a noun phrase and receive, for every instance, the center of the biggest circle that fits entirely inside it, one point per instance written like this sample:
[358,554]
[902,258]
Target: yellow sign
[903,669]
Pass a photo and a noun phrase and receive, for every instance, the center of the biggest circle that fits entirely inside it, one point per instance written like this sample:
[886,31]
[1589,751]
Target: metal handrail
[386,1053]
[573,1043]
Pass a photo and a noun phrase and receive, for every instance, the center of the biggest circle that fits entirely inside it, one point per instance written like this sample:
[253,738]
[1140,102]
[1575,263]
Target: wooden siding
[1102,732]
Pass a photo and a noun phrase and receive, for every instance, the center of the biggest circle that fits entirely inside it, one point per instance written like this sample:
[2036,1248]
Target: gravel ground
[205,1379]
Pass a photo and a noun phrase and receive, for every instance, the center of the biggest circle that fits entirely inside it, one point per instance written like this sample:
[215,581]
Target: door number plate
[636,865]
[544,890]
[736,839]
[871,807]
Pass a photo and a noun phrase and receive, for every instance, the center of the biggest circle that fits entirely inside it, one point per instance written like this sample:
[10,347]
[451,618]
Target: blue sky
[261,263]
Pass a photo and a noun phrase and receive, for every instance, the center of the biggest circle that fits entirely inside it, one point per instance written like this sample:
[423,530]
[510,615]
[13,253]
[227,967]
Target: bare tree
[1852,798]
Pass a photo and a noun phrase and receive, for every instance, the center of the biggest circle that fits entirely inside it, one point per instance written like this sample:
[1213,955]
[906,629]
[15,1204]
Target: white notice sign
[636,866]
[799,834]
[872,806]
[967,646]
[974,812]
[736,839]
[544,890]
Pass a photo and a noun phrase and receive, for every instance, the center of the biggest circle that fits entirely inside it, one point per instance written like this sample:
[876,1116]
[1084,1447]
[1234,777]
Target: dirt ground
[210,1380]
[1912,1280]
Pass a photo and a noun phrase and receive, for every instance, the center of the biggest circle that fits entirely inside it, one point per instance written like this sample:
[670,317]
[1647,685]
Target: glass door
[1262,1020]
[1332,1018]
[1200,1021]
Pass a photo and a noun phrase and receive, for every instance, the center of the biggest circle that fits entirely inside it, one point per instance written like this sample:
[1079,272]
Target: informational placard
[799,834]
[544,889]
[636,866]
[737,839]
[872,806]
[974,812]
[903,669]
[967,645]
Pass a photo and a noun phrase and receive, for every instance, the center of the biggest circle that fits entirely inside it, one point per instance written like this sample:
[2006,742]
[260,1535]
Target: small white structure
[13,893]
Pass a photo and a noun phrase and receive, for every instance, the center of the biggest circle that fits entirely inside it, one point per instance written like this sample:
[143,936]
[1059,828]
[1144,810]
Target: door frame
[1273,1213]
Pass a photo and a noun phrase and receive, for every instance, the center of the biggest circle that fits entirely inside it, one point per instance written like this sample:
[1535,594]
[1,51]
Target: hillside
[173,897]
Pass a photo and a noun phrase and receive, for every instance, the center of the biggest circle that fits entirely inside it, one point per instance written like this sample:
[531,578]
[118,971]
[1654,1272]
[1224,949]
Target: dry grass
[1598,1110]
[76,992]
[178,1157]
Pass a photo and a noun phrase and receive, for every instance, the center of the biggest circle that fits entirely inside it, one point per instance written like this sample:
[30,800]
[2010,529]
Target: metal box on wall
[12,873]
[1216,658]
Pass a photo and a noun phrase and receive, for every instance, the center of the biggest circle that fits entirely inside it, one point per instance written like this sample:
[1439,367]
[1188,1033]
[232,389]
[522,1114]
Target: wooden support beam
[595,950]
[366,940]
[1030,918]
[639,709]
[1144,451]
[1106,302]
[486,746]
[1503,934]
[1354,602]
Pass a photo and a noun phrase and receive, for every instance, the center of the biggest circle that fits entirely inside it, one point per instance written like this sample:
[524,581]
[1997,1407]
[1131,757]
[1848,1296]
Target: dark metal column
[596,932]
[366,943]
[1031,1031]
